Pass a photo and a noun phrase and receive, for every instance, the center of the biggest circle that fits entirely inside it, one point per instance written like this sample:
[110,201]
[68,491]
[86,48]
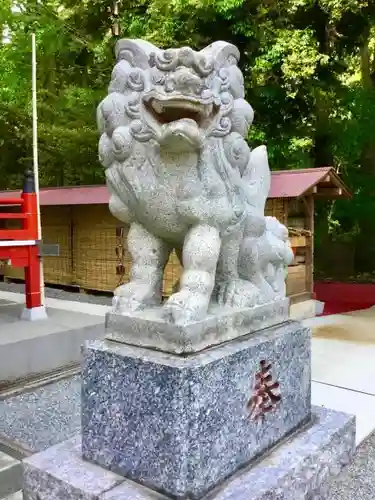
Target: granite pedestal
[162,425]
[300,468]
[181,424]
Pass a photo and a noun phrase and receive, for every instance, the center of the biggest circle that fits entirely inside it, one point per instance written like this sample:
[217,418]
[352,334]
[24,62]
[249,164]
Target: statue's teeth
[207,110]
[158,107]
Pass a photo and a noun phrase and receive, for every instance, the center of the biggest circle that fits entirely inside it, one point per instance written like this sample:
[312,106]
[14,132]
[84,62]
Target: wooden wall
[94,246]
[93,253]
[278,207]
[301,229]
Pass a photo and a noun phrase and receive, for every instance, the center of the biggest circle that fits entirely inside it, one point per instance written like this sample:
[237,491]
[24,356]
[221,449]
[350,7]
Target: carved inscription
[266,393]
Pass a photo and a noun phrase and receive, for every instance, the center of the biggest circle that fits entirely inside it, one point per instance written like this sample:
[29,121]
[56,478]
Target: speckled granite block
[148,328]
[60,474]
[181,424]
[303,467]
[300,468]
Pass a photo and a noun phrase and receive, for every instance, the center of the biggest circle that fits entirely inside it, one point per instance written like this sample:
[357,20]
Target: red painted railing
[20,246]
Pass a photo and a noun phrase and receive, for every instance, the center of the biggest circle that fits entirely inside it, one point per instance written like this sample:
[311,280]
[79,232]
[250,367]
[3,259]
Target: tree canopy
[309,68]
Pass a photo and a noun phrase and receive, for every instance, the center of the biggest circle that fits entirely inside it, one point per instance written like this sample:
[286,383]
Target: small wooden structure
[292,201]
[93,256]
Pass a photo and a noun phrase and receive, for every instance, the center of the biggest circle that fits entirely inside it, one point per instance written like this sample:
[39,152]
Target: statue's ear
[222,54]
[135,52]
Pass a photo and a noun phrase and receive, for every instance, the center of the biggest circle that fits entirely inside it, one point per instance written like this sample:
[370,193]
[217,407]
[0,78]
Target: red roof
[284,184]
[294,183]
[78,195]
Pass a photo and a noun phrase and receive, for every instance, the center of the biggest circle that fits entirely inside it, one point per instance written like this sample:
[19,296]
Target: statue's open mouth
[184,117]
[171,108]
[166,111]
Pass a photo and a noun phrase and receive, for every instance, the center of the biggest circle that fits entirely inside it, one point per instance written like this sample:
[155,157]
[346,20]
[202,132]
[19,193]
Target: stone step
[10,475]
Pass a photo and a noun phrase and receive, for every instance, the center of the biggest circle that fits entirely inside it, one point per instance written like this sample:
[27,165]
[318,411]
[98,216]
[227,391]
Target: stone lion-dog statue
[182,176]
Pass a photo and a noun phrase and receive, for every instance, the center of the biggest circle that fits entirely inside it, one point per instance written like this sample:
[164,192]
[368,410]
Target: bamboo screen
[101,260]
[277,207]
[94,256]
[56,230]
[95,240]
[172,275]
[93,252]
[296,280]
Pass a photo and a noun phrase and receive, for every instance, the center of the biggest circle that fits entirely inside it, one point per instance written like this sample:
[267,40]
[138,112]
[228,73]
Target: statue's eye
[169,85]
[198,87]
[158,78]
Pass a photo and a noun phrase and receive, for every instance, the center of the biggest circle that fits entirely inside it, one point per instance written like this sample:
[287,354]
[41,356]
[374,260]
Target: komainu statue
[182,176]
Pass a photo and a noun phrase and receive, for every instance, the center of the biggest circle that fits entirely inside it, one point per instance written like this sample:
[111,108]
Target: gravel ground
[357,482]
[56,293]
[41,418]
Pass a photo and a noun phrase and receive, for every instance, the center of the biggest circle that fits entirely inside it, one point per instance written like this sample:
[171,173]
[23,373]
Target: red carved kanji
[264,398]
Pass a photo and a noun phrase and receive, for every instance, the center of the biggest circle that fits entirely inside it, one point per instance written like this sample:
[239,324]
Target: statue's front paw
[237,293]
[185,306]
[135,296]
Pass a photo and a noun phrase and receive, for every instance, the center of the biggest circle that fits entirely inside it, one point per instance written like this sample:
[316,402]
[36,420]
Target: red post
[30,225]
[32,279]
[29,207]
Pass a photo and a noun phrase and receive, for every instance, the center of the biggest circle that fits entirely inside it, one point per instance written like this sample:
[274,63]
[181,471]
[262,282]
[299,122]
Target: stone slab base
[148,328]
[304,310]
[300,468]
[182,424]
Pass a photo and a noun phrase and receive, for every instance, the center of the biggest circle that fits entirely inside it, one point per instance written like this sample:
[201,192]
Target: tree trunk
[365,245]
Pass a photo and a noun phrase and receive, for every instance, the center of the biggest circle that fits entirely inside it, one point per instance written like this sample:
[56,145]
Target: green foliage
[73,69]
[309,68]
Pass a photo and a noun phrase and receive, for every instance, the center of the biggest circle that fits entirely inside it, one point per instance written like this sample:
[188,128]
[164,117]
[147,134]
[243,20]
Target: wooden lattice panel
[94,248]
[90,254]
[172,275]
[277,207]
[56,230]
[296,280]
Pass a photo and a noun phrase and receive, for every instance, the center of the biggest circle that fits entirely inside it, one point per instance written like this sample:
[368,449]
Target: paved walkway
[343,368]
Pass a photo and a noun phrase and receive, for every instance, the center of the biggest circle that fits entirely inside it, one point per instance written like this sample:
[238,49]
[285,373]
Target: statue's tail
[257,178]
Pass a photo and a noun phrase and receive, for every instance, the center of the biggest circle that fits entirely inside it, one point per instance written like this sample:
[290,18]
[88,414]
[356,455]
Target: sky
[6,31]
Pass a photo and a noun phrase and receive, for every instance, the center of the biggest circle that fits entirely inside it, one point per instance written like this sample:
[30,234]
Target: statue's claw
[134,297]
[186,306]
